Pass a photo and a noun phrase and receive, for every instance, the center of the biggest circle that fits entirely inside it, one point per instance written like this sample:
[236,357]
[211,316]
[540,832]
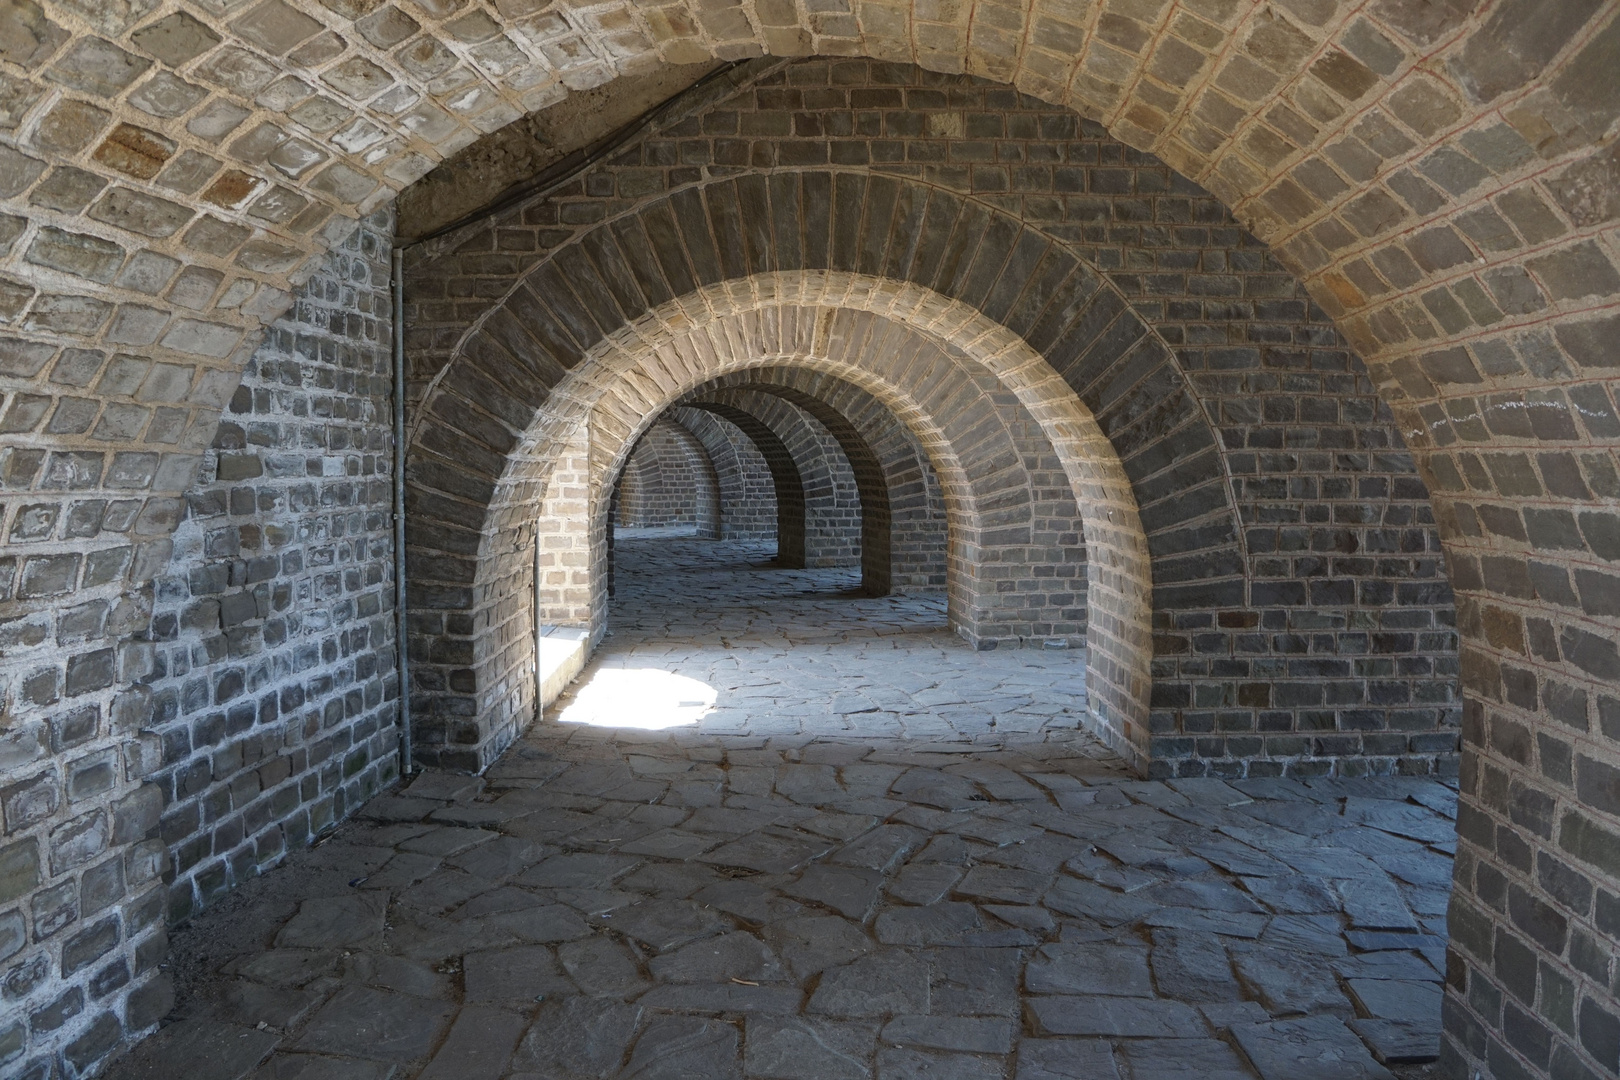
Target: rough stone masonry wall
[264,702]
[1320,634]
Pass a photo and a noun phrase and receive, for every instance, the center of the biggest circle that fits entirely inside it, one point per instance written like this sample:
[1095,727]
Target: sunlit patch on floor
[643,698]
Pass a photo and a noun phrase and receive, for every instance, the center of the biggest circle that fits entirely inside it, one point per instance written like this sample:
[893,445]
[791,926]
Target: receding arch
[843,326]
[749,506]
[915,511]
[785,476]
[668,479]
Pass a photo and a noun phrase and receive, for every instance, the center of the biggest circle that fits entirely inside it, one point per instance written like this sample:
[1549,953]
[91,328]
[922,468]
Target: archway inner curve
[901,343]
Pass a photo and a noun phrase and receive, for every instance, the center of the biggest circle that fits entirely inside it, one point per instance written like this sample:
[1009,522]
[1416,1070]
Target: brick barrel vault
[1438,175]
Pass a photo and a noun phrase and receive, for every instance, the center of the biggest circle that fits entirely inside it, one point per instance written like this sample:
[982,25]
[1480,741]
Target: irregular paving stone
[1235,924]
[961,1033]
[1400,1042]
[546,923]
[683,1048]
[447,840]
[1070,896]
[898,1064]
[1396,999]
[887,983]
[397,973]
[1002,883]
[665,924]
[480,1043]
[1066,1059]
[1319,934]
[718,959]
[202,1050]
[923,883]
[362,1022]
[1375,904]
[251,1004]
[879,849]
[850,891]
[1182,1059]
[1387,965]
[520,974]
[791,1048]
[1089,969]
[1203,895]
[334,921]
[286,967]
[578,870]
[1295,894]
[731,997]
[932,925]
[814,943]
[440,784]
[1290,984]
[974,981]
[313,1067]
[1320,1047]
[601,965]
[397,808]
[1193,966]
[1225,1015]
[1137,1018]
[578,1037]
[768,853]
[670,844]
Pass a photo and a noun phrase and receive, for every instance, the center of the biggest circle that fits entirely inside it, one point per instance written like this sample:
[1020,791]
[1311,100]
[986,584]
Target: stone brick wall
[668,481]
[265,695]
[747,490]
[274,689]
[1303,621]
[832,501]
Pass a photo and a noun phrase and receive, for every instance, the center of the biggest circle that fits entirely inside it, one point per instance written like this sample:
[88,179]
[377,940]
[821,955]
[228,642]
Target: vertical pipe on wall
[402,663]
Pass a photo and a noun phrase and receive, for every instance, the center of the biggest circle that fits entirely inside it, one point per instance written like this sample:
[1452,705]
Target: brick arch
[1373,144]
[1089,339]
[916,541]
[650,470]
[829,527]
[870,471]
[931,236]
[906,341]
[748,497]
[786,477]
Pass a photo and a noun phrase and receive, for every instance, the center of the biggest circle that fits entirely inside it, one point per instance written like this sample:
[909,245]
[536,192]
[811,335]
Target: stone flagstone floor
[837,844]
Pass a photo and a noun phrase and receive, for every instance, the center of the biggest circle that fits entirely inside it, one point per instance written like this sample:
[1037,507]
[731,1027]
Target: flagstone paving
[874,853]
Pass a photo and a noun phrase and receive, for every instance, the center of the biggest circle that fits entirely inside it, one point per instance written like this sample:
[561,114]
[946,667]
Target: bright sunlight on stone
[639,698]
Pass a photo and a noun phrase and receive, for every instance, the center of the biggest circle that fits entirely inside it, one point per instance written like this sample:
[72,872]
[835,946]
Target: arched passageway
[1435,175]
[668,481]
[995,515]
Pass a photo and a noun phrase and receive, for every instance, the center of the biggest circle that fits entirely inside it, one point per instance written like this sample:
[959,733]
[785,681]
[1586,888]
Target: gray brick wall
[263,694]
[1303,622]
[747,491]
[668,481]
[274,689]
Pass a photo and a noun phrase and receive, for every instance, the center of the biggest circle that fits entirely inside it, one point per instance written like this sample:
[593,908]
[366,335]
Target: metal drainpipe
[400,642]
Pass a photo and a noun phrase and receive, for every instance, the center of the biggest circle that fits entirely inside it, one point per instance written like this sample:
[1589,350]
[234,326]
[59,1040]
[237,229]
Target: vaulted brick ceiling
[1441,174]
